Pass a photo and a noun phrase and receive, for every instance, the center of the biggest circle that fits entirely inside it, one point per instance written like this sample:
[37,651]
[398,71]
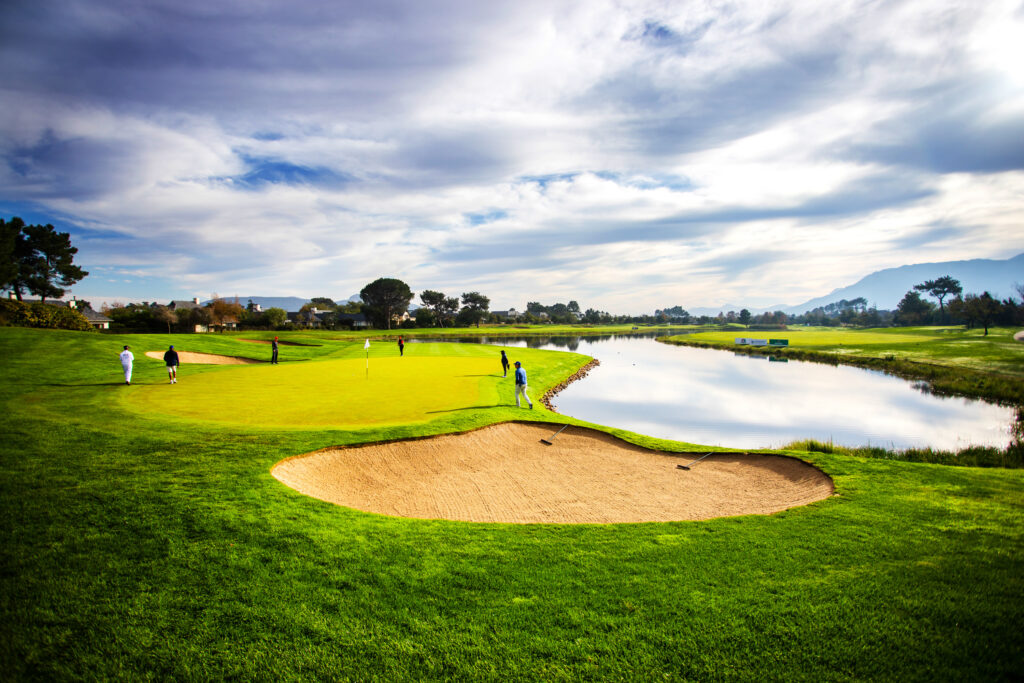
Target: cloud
[629,155]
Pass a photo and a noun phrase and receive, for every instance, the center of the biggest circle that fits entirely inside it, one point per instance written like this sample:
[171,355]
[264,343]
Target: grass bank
[151,545]
[951,360]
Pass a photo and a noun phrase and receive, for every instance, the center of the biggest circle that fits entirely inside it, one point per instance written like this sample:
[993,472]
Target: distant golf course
[145,537]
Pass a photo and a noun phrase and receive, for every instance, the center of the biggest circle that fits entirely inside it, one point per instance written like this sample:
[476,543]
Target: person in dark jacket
[273,351]
[521,385]
[504,364]
[401,346]
[171,361]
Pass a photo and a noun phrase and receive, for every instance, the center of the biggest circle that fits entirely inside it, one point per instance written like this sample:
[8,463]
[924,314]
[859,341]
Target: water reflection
[720,398]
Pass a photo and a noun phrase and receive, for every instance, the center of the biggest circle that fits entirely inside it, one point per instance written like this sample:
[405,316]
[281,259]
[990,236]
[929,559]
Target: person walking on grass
[504,364]
[171,361]
[521,385]
[401,346]
[273,352]
[127,358]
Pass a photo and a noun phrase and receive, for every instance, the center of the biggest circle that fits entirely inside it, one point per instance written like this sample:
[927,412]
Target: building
[178,305]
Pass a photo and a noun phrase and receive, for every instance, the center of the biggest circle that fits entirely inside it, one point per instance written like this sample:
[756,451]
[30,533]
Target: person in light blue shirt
[521,385]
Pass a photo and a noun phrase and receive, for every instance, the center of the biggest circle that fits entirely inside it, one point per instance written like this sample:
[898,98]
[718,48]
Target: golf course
[268,522]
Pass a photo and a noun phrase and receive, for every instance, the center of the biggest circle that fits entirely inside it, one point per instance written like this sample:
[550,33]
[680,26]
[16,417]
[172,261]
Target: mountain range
[882,289]
[885,288]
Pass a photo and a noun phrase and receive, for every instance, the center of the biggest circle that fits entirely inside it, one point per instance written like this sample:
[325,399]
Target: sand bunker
[1019,336]
[503,473]
[204,358]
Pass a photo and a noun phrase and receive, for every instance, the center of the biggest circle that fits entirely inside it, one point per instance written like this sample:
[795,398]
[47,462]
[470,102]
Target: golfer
[171,361]
[273,351]
[521,385]
[504,364]
[126,364]
[401,346]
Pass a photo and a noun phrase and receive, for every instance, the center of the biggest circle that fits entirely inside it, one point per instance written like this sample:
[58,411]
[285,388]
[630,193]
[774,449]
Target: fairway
[146,537]
[327,393]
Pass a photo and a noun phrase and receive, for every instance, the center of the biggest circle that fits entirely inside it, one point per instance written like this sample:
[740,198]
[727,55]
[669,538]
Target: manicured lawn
[140,544]
[431,379]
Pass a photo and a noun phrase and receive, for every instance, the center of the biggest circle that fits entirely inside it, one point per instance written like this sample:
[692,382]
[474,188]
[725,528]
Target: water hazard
[724,399]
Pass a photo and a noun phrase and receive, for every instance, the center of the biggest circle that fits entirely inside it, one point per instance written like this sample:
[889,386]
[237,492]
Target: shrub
[20,314]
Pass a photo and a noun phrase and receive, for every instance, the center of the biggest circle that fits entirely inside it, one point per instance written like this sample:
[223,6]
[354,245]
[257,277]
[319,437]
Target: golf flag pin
[367,345]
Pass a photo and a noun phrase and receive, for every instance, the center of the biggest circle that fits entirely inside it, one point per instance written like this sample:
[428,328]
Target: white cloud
[629,155]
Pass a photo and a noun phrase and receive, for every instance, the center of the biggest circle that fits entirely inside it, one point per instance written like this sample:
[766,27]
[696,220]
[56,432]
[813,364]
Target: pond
[720,398]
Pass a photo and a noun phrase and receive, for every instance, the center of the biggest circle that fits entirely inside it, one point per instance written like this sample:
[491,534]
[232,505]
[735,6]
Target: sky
[627,155]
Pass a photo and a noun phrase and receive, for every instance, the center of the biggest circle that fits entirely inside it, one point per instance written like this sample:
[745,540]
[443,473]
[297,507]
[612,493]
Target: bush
[20,314]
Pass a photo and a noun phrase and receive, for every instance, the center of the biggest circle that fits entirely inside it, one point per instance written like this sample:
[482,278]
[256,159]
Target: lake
[720,398]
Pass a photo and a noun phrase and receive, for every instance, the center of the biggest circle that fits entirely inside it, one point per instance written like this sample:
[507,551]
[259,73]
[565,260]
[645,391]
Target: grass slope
[952,359]
[142,547]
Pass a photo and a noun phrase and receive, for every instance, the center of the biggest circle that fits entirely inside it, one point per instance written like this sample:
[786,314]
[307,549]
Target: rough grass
[138,547]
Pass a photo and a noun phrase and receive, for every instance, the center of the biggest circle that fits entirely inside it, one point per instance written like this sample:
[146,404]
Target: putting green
[328,393]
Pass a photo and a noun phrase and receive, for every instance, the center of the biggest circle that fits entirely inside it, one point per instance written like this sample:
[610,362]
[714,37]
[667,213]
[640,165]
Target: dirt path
[503,473]
[205,358]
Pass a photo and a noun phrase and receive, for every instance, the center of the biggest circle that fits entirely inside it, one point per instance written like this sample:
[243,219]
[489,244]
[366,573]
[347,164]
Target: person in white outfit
[126,364]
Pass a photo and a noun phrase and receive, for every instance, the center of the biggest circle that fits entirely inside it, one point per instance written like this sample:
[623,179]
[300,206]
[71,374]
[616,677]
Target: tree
[476,305]
[940,288]
[981,310]
[10,236]
[165,315]
[274,317]
[744,317]
[323,303]
[47,267]
[386,298]
[912,310]
[448,310]
[425,317]
[435,302]
[222,311]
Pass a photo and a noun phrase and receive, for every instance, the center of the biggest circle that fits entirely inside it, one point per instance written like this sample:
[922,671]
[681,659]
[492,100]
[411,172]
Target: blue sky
[628,155]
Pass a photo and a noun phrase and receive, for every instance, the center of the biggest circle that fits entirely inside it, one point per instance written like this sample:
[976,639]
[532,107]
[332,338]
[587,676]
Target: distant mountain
[884,288]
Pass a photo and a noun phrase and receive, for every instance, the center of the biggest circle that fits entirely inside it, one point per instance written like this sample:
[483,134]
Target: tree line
[973,310]
[953,308]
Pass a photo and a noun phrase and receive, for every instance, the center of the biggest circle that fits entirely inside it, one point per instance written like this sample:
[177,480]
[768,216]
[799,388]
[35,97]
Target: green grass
[951,359]
[384,389]
[143,545]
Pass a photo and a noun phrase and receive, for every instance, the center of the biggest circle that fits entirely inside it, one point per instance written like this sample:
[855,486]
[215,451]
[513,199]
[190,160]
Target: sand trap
[1019,336]
[204,358]
[503,473]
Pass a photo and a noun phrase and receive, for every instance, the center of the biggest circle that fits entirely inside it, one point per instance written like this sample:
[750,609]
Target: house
[353,320]
[178,305]
[510,314]
[97,320]
[310,318]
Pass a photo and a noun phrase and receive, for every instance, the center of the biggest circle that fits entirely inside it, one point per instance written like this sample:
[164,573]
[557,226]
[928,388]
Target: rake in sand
[689,465]
[545,441]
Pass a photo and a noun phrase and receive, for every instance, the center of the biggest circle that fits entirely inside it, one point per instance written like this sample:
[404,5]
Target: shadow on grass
[459,410]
